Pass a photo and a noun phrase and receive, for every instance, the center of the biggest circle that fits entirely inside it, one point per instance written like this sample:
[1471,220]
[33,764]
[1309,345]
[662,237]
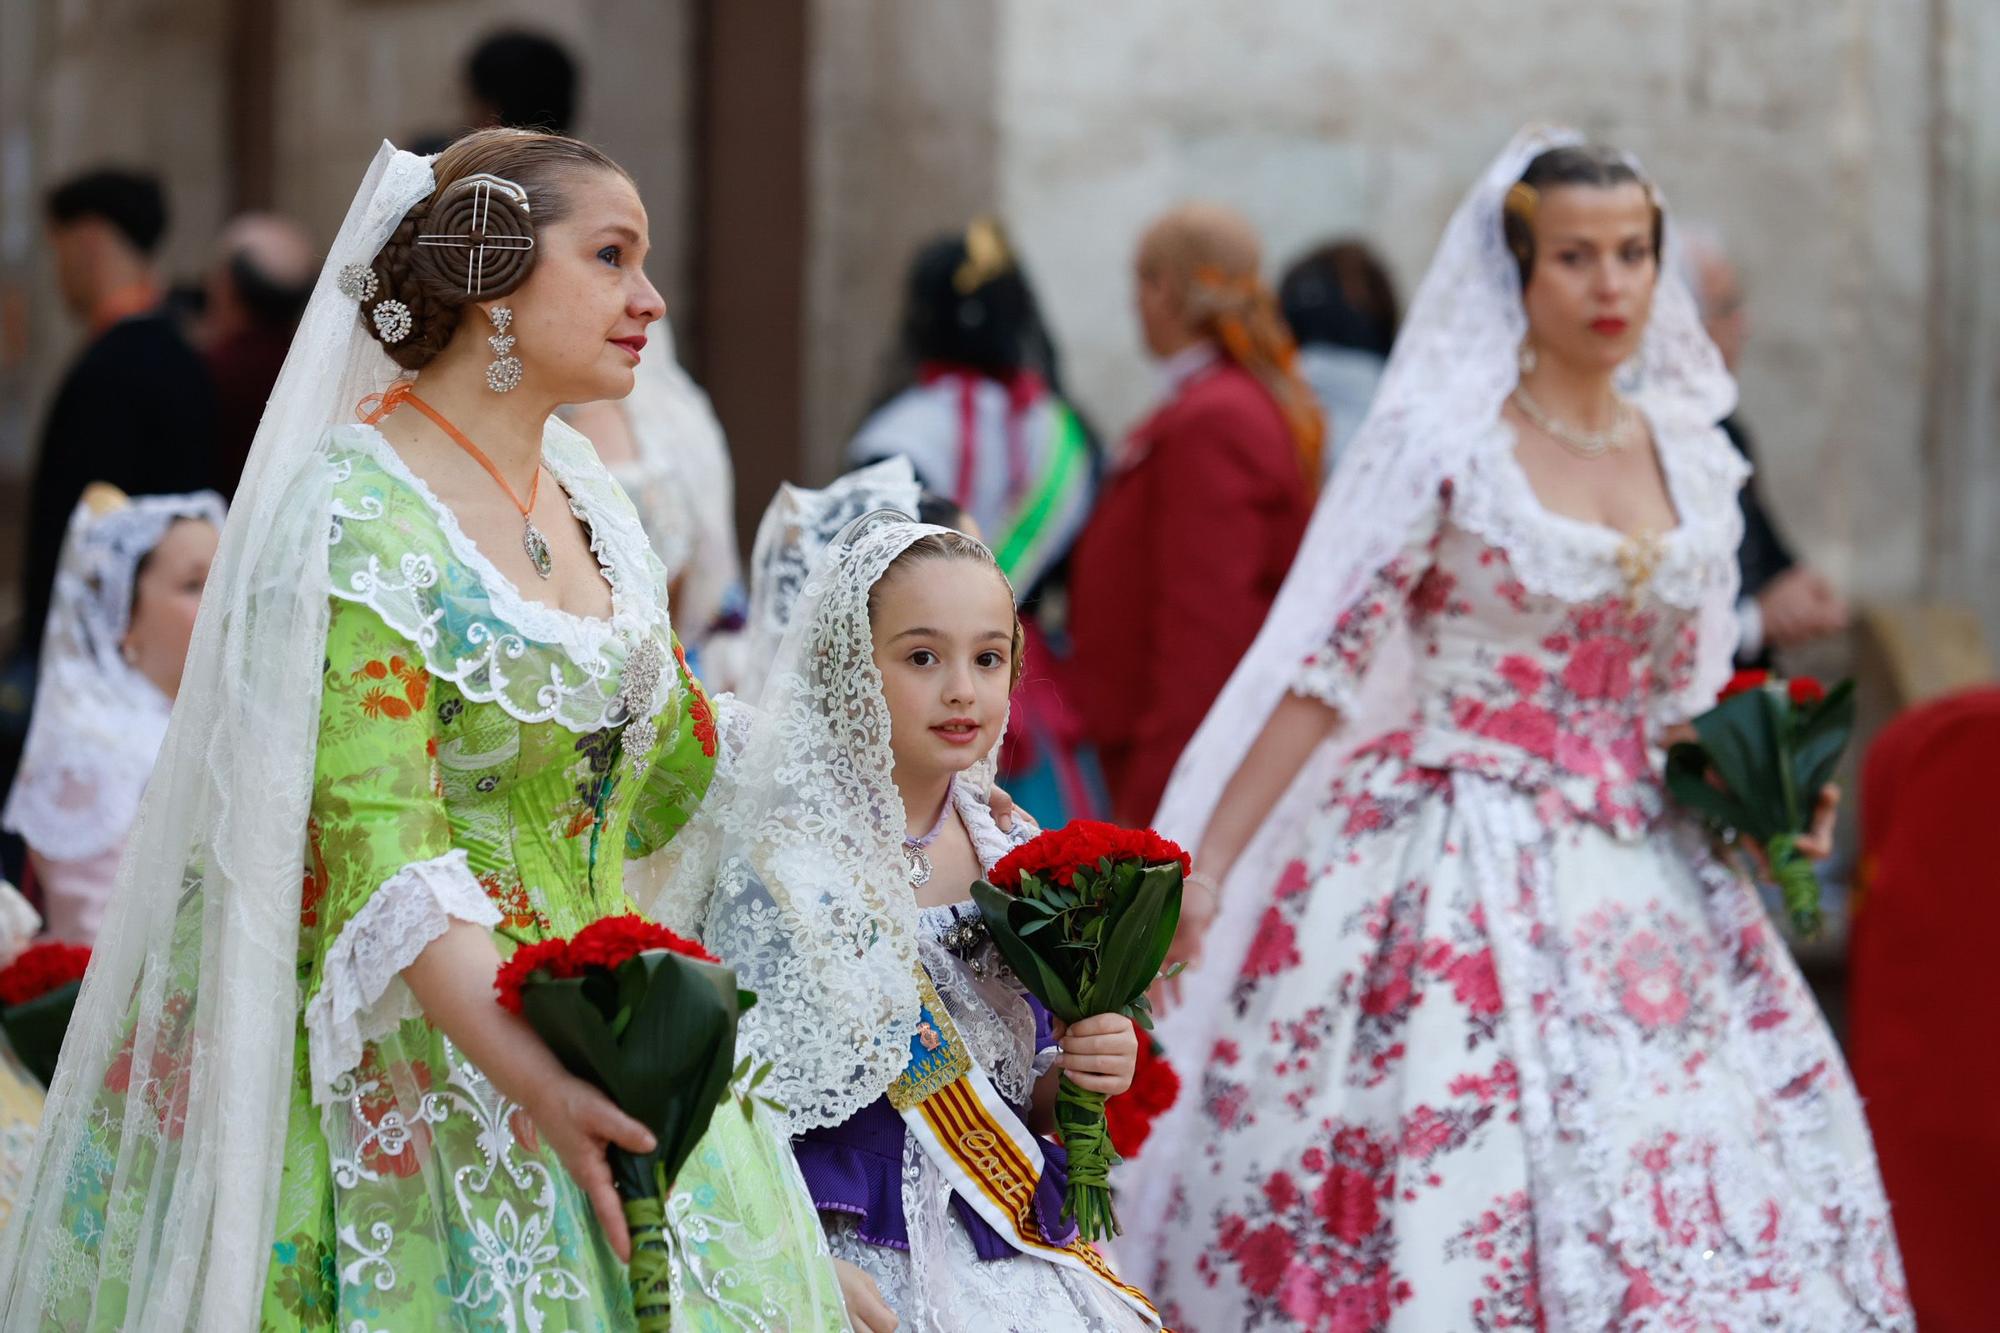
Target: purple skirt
[857,1168]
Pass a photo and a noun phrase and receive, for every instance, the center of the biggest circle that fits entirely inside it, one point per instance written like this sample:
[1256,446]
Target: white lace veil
[792,870]
[98,722]
[1454,364]
[797,525]
[175,1081]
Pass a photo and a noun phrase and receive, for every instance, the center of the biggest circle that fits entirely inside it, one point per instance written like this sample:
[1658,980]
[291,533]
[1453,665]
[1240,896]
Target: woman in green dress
[433,704]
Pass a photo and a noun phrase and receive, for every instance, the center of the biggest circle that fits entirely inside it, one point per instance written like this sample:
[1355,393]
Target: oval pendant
[537,547]
[920,866]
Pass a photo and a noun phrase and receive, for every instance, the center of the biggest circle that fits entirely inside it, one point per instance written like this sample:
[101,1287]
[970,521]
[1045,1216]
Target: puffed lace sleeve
[382,877]
[1333,670]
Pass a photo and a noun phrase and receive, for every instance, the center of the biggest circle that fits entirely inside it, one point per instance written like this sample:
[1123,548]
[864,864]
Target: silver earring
[505,370]
[392,321]
[1528,360]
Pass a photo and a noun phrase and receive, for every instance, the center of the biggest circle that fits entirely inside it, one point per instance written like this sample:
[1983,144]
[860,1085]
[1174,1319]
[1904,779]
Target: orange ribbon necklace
[532,540]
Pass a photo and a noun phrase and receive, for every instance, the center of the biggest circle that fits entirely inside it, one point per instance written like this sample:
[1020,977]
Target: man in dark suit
[1783,602]
[136,408]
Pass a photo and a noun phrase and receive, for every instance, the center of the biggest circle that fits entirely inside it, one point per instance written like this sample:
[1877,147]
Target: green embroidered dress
[483,758]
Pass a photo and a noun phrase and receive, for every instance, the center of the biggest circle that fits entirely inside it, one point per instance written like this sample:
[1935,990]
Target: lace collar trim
[1555,555]
[475,627]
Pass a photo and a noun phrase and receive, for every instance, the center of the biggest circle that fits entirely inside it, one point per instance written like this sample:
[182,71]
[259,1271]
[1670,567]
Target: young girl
[850,822]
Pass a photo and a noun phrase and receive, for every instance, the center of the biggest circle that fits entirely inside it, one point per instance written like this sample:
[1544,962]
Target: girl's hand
[1100,1053]
[580,1123]
[867,1312]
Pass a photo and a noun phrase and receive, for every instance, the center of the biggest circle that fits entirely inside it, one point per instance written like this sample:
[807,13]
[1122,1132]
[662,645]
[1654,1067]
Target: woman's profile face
[165,598]
[1590,291]
[580,319]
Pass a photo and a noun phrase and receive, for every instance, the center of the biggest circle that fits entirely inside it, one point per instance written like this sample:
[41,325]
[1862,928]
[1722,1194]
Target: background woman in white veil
[432,702]
[663,444]
[1488,1037]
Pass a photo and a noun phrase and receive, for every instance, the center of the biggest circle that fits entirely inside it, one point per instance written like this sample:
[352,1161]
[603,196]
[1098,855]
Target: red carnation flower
[1080,845]
[1805,691]
[615,939]
[40,969]
[550,957]
[1745,681]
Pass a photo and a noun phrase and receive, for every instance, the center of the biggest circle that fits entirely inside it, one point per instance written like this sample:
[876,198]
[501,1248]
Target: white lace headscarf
[194,975]
[797,525]
[1455,361]
[98,721]
[793,873]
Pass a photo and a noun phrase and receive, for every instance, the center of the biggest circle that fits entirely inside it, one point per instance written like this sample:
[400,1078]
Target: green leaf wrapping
[1041,979]
[36,1028]
[651,1272]
[669,1062]
[1086,1136]
[1739,736]
[1098,956]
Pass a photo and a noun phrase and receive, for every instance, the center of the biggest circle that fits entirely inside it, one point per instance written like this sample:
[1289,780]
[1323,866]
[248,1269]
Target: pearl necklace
[1583,443]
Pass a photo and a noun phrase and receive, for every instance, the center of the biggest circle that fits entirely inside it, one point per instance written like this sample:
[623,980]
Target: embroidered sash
[991,1159]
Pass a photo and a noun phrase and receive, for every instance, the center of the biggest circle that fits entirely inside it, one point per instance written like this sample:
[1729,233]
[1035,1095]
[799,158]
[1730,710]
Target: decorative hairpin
[476,240]
[357,282]
[392,321]
[1522,199]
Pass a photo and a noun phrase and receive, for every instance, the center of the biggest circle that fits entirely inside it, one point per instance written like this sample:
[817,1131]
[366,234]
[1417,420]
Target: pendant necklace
[914,853]
[532,540]
[1584,443]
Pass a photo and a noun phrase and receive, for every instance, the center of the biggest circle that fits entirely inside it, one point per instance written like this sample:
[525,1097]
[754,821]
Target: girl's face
[581,316]
[1590,291]
[944,643]
[164,601]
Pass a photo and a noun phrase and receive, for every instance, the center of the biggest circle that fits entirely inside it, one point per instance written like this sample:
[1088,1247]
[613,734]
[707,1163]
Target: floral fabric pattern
[1509,1049]
[418,1196]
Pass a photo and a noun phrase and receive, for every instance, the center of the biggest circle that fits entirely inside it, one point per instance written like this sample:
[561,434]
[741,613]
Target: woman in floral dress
[1491,1038]
[423,721]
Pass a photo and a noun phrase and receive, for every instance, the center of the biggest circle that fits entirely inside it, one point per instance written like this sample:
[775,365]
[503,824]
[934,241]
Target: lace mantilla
[361,992]
[396,549]
[1558,556]
[806,890]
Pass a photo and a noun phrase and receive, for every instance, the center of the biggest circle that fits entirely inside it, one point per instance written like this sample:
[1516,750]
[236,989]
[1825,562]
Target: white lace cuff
[361,991]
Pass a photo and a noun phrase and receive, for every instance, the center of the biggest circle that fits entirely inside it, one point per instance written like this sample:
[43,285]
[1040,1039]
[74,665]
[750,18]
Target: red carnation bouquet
[1084,915]
[1759,761]
[1155,1088]
[650,1018]
[37,992]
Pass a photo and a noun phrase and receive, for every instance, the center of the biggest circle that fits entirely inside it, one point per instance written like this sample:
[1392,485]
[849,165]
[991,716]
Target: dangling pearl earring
[504,371]
[1527,359]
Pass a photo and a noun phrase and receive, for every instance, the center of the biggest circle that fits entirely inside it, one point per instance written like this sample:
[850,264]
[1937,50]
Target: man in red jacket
[1204,508]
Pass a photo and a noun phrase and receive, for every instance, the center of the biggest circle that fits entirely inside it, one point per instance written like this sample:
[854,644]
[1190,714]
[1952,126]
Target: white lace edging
[538,662]
[361,991]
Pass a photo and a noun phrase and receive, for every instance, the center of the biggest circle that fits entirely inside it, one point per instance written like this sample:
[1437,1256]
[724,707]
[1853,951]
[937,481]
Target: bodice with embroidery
[1547,651]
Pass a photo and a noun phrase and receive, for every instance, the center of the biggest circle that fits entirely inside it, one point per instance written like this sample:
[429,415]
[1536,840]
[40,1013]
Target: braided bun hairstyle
[435,281]
[1572,164]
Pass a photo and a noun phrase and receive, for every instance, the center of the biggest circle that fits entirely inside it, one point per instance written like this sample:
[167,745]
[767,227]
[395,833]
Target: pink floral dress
[1510,1049]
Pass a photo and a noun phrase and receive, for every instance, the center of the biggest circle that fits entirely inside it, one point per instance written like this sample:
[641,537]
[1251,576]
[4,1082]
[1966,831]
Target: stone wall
[1848,151]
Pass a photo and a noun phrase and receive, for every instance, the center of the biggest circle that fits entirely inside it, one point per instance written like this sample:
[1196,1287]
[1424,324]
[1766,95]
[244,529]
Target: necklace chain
[1584,443]
[532,541]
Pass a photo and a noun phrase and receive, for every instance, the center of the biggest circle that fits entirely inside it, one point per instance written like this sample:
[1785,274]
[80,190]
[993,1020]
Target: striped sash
[973,1136]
